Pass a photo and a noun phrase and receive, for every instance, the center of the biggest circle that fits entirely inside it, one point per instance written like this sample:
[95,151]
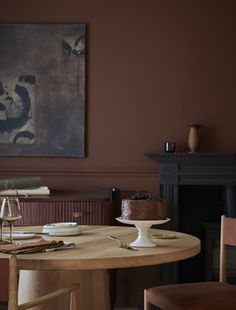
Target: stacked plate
[62,229]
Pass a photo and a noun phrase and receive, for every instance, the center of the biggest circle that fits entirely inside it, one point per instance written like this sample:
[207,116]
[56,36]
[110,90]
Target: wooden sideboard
[91,206]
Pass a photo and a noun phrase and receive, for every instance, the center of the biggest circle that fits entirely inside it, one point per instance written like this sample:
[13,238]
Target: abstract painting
[42,90]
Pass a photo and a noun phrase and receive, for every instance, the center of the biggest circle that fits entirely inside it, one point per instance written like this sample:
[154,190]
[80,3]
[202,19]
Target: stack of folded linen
[27,186]
[62,229]
[40,191]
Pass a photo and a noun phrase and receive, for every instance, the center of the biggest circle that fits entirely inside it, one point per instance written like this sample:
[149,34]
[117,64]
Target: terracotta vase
[193,138]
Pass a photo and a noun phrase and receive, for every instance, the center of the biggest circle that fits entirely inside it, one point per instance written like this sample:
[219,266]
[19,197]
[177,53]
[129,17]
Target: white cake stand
[143,227]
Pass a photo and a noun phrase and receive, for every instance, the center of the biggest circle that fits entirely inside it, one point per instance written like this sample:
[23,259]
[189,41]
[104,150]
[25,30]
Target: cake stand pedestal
[143,227]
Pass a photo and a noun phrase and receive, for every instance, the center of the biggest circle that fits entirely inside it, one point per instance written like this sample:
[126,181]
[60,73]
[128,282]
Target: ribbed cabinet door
[43,212]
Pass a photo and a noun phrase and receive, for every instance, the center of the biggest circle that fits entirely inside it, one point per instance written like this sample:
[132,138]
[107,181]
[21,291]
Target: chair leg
[13,287]
[147,305]
[74,300]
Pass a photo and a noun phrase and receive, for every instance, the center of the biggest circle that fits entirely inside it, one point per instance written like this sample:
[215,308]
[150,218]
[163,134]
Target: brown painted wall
[153,67]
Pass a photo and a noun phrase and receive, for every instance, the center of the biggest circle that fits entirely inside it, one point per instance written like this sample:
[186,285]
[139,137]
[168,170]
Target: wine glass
[10,212]
[1,222]
[1,229]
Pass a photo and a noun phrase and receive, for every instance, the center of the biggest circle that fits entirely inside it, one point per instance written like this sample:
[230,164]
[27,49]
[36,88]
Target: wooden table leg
[93,293]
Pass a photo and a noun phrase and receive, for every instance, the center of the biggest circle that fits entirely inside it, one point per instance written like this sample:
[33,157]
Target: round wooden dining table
[89,262]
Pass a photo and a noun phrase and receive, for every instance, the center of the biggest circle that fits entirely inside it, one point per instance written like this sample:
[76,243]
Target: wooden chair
[199,296]
[13,291]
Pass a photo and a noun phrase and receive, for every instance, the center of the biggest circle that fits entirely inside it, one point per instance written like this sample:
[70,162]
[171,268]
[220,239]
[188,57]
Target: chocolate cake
[144,208]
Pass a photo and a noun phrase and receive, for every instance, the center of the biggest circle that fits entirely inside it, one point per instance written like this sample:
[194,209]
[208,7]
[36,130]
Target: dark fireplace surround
[198,188]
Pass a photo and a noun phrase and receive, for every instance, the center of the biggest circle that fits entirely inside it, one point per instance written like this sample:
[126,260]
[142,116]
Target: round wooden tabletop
[97,251]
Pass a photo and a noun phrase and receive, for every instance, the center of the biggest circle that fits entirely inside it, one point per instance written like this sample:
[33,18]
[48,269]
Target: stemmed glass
[1,222]
[1,239]
[10,212]
[1,229]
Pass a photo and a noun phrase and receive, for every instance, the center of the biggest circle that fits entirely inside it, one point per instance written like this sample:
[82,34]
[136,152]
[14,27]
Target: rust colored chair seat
[203,295]
[194,296]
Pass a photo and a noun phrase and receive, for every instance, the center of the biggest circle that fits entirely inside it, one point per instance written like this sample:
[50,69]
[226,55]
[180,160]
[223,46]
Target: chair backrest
[13,291]
[227,237]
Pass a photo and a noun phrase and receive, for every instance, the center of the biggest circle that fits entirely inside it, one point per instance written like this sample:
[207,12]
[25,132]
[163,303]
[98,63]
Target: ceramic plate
[67,232]
[62,229]
[19,235]
[63,225]
[151,222]
[164,236]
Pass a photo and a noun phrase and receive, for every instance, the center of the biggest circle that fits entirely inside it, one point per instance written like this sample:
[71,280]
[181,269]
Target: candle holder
[169,147]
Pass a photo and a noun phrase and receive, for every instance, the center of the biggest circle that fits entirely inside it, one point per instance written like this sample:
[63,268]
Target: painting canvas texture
[42,90]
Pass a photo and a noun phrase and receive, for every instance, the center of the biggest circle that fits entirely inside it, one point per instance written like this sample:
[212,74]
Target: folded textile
[22,182]
[40,191]
[30,247]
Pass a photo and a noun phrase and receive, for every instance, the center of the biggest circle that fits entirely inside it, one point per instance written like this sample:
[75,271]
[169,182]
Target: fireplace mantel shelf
[195,168]
[192,157]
